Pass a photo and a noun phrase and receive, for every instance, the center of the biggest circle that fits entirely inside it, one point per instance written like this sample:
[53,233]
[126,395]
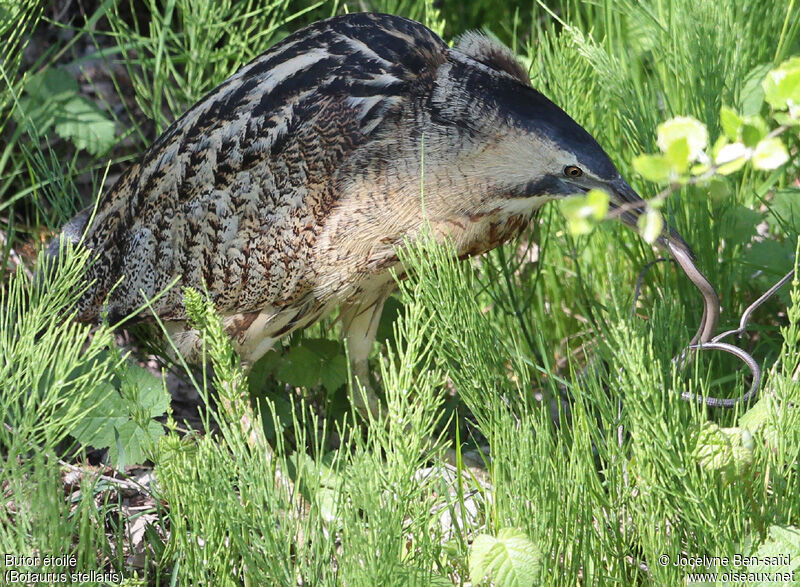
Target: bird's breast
[356,250]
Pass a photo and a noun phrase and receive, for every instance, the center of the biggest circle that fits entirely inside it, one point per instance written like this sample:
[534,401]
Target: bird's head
[538,152]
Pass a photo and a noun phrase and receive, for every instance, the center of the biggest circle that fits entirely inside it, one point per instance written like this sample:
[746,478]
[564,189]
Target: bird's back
[232,196]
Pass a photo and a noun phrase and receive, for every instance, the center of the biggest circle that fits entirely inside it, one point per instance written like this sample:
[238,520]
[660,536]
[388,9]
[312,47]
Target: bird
[287,191]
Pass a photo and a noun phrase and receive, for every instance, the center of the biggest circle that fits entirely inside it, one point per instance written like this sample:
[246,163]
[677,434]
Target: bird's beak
[628,206]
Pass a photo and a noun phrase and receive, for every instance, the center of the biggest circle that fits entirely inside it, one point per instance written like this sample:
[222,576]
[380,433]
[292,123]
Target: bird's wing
[230,196]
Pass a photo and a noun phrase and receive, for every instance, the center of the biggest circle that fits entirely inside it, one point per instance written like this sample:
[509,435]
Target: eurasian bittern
[287,190]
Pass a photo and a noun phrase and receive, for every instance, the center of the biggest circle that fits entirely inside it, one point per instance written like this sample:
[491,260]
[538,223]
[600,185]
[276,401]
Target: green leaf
[731,158]
[685,128]
[738,225]
[334,373]
[678,154]
[790,119]
[728,451]
[145,391]
[82,122]
[392,309]
[300,367]
[784,210]
[597,201]
[51,84]
[654,168]
[510,559]
[782,85]
[324,348]
[651,225]
[262,370]
[718,190]
[753,130]
[731,123]
[770,154]
[42,93]
[124,421]
[53,99]
[313,361]
[751,96]
[134,443]
[106,411]
[583,212]
[319,481]
[780,552]
[771,257]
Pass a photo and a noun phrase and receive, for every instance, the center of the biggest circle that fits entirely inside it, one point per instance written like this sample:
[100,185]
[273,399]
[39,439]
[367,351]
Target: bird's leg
[359,326]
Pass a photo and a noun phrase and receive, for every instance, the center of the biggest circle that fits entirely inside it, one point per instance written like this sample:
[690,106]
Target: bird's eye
[572,171]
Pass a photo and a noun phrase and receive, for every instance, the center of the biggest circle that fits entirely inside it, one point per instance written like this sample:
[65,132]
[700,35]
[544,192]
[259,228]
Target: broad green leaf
[731,123]
[318,480]
[508,560]
[654,168]
[751,96]
[731,158]
[300,367]
[678,154]
[718,190]
[650,225]
[782,85]
[124,421]
[325,348]
[52,98]
[780,553]
[334,373]
[134,443]
[391,310]
[784,210]
[757,417]
[738,225]
[105,412]
[43,92]
[82,122]
[51,84]
[770,154]
[790,119]
[578,225]
[583,212]
[597,200]
[146,391]
[690,129]
[313,361]
[753,130]
[728,451]
[262,369]
[770,256]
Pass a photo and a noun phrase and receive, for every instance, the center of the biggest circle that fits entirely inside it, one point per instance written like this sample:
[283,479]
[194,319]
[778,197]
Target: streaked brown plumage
[286,190]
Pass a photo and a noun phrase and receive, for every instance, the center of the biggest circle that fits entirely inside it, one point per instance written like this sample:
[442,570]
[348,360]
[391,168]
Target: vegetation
[533,431]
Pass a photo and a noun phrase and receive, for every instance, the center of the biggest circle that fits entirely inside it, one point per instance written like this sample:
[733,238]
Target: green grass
[480,356]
